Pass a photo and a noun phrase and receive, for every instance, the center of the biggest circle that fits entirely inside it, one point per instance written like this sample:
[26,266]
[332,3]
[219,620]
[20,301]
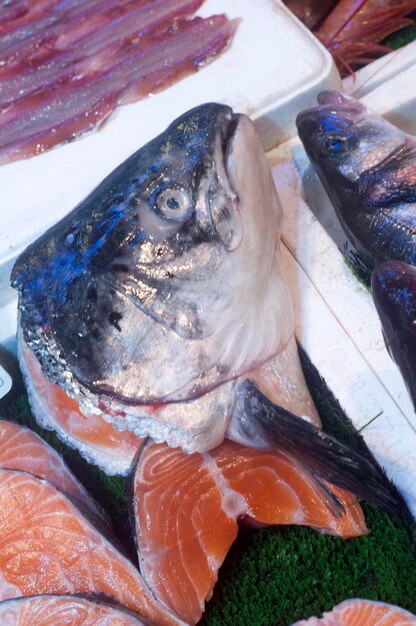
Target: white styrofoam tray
[263,73]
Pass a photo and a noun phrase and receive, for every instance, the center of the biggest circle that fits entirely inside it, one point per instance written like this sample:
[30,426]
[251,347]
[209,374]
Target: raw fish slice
[47,546]
[184,528]
[359,612]
[22,449]
[87,34]
[278,489]
[51,610]
[97,440]
[186,509]
[45,119]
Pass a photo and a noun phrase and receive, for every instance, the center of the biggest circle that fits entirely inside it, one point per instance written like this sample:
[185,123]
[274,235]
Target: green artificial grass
[275,576]
[402,37]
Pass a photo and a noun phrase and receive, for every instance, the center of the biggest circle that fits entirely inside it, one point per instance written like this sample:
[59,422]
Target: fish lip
[228,135]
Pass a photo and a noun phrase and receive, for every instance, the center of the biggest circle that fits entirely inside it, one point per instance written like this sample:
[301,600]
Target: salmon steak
[48,547]
[49,610]
[186,509]
[22,449]
[359,612]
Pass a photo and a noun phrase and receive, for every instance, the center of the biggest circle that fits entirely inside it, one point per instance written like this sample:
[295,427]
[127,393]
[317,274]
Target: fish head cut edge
[166,281]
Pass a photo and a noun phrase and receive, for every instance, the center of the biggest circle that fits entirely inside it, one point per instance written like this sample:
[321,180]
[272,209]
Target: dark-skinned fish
[393,286]
[368,168]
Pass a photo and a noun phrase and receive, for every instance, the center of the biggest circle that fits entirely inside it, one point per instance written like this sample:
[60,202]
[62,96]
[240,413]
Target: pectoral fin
[260,423]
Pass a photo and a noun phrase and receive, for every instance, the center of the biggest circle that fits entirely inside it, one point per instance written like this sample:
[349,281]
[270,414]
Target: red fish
[186,509]
[362,613]
[354,30]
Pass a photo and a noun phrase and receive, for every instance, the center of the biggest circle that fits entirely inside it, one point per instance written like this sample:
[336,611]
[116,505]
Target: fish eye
[334,144]
[173,203]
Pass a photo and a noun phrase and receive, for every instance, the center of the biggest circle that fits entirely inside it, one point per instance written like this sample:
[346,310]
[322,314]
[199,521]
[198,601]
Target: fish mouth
[224,187]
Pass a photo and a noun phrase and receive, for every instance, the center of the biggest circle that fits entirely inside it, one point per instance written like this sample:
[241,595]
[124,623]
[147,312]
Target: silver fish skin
[164,285]
[368,168]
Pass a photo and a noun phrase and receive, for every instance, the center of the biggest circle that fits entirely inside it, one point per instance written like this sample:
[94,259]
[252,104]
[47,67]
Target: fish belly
[97,440]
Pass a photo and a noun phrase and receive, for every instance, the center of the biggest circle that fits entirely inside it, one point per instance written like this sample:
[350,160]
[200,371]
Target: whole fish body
[167,298]
[368,169]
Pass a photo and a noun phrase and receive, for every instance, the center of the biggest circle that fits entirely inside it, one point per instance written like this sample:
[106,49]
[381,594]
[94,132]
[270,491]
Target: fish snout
[307,123]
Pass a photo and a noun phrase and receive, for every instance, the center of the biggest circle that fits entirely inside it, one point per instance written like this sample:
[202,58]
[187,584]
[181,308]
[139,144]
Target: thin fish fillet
[25,54]
[22,449]
[186,509]
[45,119]
[47,546]
[65,67]
[359,612]
[64,610]
[96,439]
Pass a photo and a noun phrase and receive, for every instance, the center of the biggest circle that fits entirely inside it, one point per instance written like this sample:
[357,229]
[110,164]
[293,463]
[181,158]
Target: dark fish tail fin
[262,424]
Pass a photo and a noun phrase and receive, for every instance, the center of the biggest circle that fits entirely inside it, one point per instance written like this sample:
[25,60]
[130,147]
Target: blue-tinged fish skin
[393,286]
[368,169]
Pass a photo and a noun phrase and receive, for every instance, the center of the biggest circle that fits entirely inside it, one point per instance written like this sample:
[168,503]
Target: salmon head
[368,168]
[166,281]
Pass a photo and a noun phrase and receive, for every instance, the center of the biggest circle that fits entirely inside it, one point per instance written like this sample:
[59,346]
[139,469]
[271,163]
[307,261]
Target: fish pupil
[172,203]
[334,143]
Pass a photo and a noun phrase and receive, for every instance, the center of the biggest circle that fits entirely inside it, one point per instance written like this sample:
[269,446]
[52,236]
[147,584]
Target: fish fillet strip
[64,69]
